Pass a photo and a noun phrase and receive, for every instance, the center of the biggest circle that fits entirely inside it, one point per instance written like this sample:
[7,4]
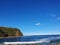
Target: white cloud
[58,18]
[41,33]
[37,24]
[53,15]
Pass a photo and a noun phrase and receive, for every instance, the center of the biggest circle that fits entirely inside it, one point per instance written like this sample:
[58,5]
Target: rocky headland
[10,32]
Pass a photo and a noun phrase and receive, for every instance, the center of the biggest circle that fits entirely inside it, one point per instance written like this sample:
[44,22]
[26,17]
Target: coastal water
[33,40]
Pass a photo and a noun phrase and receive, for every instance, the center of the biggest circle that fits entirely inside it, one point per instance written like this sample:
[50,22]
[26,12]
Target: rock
[9,32]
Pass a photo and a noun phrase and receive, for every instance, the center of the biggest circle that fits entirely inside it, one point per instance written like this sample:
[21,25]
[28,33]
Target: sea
[32,40]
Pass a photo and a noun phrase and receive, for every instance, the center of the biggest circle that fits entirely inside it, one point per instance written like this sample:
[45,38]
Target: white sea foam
[31,42]
[34,42]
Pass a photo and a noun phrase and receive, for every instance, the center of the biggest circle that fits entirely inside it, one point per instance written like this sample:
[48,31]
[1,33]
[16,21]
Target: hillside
[9,32]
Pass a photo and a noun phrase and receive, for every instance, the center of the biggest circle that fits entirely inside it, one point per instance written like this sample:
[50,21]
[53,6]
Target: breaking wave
[30,42]
[44,40]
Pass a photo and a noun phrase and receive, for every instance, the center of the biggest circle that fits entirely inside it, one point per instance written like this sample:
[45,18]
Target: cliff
[9,32]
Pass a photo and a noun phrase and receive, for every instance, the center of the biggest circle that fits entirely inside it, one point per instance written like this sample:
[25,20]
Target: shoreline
[11,37]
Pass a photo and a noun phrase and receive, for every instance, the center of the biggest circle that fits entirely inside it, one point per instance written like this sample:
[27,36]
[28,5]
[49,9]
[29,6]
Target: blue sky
[33,17]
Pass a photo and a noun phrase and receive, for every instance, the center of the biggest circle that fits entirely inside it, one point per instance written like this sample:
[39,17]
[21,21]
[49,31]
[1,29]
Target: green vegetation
[8,32]
[57,41]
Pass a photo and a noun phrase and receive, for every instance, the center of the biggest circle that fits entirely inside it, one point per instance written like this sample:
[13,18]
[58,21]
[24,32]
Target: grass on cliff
[10,31]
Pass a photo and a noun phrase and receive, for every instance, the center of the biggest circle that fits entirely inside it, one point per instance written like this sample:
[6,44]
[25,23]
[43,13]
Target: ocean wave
[44,40]
[30,42]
